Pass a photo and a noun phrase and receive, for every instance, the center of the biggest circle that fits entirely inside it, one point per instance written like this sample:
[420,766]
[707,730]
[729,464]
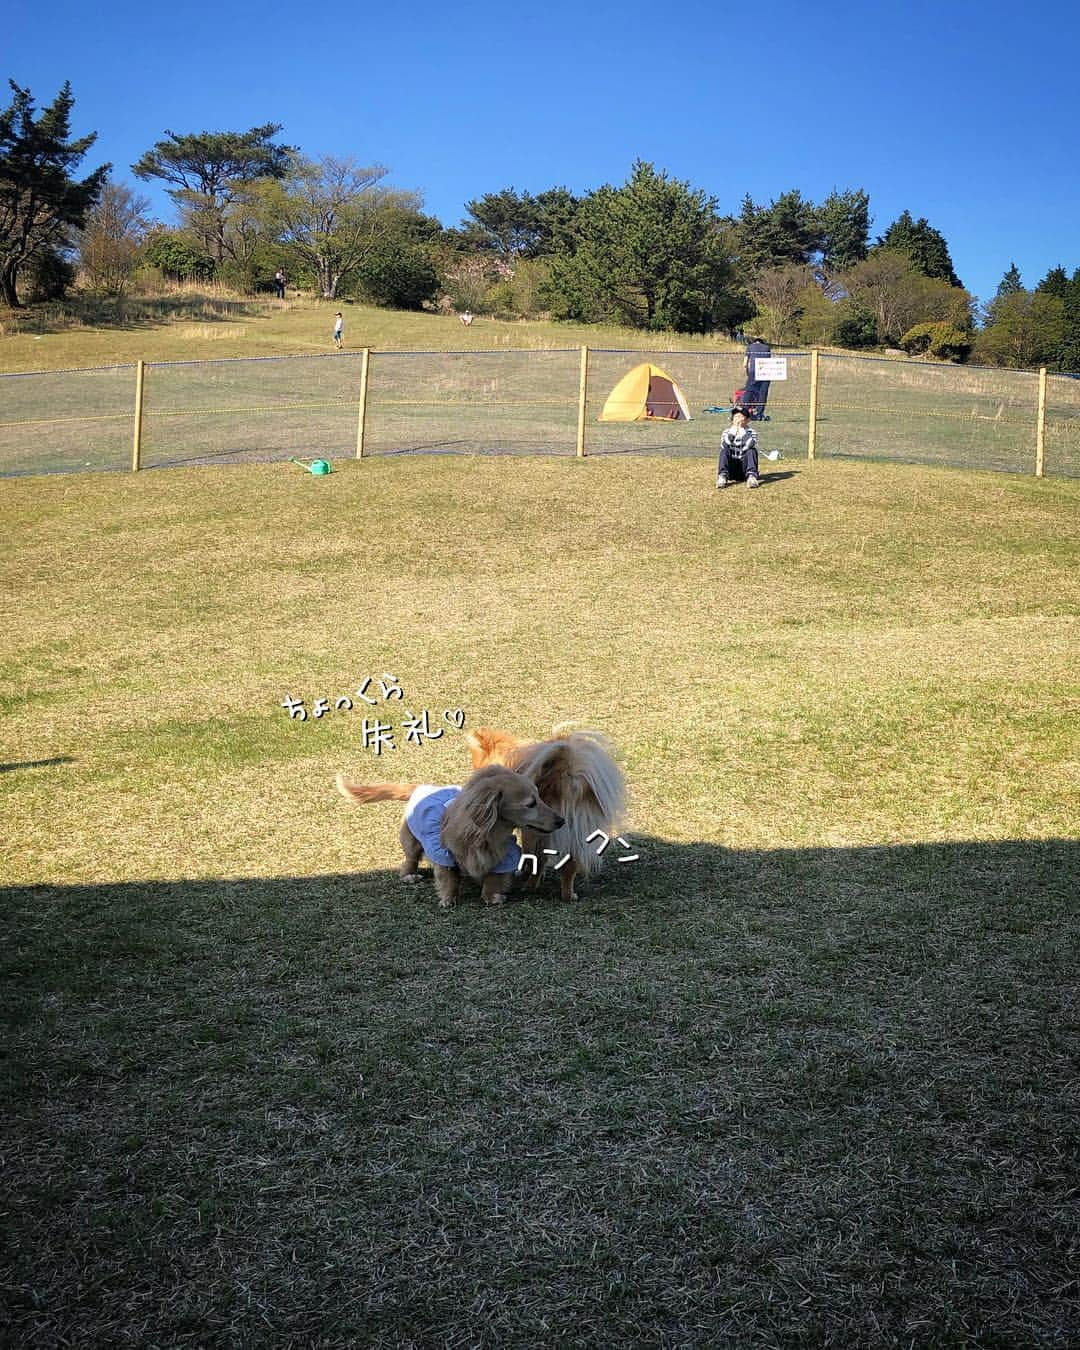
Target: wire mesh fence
[924,413]
[1062,453]
[525,402]
[250,409]
[59,421]
[498,402]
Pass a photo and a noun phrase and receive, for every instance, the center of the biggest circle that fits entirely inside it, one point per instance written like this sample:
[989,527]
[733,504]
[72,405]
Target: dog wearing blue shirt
[463,830]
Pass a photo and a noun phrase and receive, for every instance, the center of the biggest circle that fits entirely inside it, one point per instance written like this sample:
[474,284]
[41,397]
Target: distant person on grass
[756,392]
[279,284]
[339,330]
[738,451]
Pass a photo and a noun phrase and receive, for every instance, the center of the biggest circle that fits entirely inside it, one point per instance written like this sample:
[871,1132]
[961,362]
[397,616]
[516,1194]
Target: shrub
[522,295]
[943,341]
[398,275]
[178,259]
[856,326]
[46,276]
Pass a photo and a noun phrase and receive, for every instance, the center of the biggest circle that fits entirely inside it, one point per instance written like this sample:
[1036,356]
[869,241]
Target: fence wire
[261,409]
[59,421]
[927,414]
[523,402]
[498,402]
[707,380]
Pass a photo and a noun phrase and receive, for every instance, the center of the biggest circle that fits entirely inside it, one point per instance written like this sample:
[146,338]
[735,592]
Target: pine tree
[843,227]
[923,244]
[651,254]
[1068,353]
[210,170]
[40,203]
[1056,282]
[1010,283]
[786,231]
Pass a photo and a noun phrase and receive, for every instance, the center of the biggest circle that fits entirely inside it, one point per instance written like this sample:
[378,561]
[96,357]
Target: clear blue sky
[965,112]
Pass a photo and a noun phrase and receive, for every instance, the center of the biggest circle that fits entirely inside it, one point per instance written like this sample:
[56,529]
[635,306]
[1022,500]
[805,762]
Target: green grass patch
[803,1074]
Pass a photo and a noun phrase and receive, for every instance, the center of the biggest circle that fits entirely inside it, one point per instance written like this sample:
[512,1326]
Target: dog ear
[478,742]
[474,812]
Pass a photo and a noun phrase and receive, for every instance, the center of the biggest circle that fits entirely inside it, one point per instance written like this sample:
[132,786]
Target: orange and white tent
[645,392]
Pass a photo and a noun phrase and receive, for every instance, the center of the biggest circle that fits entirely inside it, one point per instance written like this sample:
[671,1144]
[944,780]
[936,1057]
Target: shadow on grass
[36,763]
[787,1097]
[129,312]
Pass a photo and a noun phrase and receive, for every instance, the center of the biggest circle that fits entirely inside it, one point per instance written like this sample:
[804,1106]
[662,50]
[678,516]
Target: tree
[210,170]
[558,207]
[888,285]
[109,242]
[518,225]
[398,271]
[1026,331]
[1068,352]
[785,231]
[509,219]
[843,230]
[332,214]
[925,246]
[650,254]
[1056,282]
[177,257]
[40,202]
[1010,283]
[780,296]
[398,275]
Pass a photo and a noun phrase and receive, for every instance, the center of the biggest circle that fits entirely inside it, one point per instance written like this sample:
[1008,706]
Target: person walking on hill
[339,330]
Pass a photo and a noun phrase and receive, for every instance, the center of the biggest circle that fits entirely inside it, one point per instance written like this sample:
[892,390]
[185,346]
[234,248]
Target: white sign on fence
[770,368]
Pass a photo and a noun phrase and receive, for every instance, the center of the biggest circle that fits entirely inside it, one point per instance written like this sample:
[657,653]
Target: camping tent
[645,392]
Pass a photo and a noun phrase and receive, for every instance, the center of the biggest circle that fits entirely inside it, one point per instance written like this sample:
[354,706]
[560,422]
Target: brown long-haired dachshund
[467,830]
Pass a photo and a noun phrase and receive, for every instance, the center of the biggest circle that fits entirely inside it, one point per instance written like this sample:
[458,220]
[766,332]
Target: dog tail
[374,792]
[577,776]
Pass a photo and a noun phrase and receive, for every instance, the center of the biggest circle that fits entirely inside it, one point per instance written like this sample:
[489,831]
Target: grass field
[199,325]
[803,1074]
[67,393]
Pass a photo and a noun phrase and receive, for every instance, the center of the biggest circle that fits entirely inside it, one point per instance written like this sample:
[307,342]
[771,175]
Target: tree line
[654,253]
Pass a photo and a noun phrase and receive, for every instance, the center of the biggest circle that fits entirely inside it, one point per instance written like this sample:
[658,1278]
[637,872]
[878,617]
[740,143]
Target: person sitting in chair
[738,451]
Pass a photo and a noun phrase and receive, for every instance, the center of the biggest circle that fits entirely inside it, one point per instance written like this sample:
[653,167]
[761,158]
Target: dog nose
[559,822]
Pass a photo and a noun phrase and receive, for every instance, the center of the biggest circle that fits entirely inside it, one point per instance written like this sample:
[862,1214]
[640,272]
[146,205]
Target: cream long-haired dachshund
[464,830]
[576,773]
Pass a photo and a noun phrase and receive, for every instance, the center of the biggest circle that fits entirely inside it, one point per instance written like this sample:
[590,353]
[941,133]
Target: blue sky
[965,113]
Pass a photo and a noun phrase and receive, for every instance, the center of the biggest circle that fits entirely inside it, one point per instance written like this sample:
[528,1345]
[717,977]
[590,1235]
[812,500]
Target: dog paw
[411,878]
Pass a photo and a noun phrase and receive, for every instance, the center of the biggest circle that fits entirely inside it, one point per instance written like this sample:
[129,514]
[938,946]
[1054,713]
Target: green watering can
[317,466]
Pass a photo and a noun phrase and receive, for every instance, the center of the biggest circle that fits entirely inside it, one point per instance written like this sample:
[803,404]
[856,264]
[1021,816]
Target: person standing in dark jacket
[756,392]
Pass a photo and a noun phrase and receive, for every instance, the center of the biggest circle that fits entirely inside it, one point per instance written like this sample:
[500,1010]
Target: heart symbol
[455,716]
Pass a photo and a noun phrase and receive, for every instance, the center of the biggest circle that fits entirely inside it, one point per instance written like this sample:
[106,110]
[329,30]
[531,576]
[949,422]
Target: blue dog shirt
[424,813]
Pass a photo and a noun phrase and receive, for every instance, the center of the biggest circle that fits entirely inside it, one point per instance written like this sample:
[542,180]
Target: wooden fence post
[811,435]
[136,440]
[583,385]
[1040,424]
[361,417]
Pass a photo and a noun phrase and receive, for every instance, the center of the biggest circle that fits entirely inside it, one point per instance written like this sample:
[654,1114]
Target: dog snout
[559,823]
